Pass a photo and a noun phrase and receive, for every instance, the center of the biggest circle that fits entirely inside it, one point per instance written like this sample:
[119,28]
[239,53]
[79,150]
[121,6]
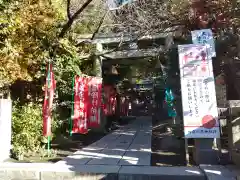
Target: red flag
[48,100]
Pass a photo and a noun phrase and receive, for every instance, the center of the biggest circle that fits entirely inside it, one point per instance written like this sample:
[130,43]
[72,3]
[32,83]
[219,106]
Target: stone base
[236,158]
[203,152]
[206,156]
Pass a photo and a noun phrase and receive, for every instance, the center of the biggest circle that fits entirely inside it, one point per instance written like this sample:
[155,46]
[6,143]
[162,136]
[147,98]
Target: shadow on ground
[66,146]
[167,150]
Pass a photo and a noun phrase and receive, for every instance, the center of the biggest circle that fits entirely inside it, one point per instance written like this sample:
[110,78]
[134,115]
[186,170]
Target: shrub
[27,129]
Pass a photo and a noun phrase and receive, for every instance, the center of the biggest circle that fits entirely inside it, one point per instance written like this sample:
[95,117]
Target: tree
[158,16]
[32,31]
[183,16]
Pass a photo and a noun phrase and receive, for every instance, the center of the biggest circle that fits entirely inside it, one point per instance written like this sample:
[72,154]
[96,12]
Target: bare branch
[99,25]
[73,18]
[68,9]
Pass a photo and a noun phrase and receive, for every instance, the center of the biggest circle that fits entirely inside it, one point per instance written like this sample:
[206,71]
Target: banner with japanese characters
[200,112]
[80,119]
[95,103]
[205,37]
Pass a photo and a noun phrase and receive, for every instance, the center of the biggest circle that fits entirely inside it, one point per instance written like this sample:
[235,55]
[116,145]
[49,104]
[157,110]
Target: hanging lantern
[114,70]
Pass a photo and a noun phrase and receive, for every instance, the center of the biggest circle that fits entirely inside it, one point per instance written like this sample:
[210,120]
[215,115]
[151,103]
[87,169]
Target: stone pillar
[5,128]
[98,70]
[233,124]
[98,61]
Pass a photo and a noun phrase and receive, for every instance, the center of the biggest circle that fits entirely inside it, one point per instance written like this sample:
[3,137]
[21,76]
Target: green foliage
[27,129]
[29,32]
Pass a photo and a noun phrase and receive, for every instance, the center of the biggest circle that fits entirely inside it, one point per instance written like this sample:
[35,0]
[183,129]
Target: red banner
[110,97]
[80,120]
[106,102]
[113,101]
[87,104]
[124,106]
[48,101]
[95,99]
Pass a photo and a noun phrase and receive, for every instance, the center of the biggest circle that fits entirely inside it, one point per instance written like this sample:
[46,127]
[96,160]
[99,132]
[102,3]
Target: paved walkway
[122,155]
[129,145]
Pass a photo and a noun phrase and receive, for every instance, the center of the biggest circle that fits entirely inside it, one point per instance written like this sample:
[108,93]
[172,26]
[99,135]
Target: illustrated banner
[198,92]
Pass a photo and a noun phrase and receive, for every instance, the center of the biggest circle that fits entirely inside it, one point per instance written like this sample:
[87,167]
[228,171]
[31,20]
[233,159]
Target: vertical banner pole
[186,151]
[48,145]
[50,113]
[72,113]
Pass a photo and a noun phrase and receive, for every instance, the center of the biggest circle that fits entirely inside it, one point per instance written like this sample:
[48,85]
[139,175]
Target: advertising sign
[198,92]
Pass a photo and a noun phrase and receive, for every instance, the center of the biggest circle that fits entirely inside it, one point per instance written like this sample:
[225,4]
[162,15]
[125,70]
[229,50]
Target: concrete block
[205,156]
[204,153]
[235,170]
[75,160]
[21,171]
[19,174]
[125,131]
[82,172]
[108,138]
[236,158]
[204,143]
[157,173]
[140,147]
[99,145]
[217,172]
[144,141]
[107,157]
[91,148]
[138,158]
[81,157]
[119,144]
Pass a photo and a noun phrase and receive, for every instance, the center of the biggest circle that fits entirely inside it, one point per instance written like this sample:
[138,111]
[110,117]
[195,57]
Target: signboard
[198,92]
[205,37]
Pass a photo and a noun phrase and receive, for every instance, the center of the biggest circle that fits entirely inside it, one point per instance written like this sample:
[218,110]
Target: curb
[32,171]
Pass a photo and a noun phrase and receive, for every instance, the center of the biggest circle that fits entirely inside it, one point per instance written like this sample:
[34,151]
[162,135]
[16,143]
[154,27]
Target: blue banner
[205,37]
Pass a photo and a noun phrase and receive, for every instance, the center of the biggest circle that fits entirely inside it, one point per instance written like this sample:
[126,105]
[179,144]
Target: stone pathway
[129,145]
[124,154]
